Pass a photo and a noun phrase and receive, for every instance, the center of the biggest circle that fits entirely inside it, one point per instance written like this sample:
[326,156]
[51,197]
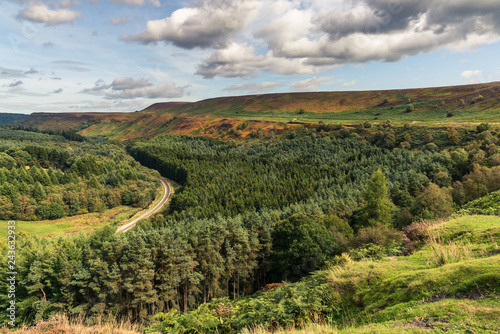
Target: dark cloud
[31,71]
[14,84]
[57,91]
[359,31]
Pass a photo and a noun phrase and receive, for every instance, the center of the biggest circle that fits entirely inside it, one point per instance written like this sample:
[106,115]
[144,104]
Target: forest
[248,215]
[53,175]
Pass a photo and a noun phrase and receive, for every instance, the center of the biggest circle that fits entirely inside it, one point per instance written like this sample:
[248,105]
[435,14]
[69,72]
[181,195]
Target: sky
[124,55]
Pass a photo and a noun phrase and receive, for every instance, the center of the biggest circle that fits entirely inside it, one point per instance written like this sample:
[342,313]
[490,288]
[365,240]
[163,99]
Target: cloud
[124,83]
[133,3]
[469,74]
[21,91]
[349,84]
[57,91]
[165,90]
[31,71]
[205,24]
[130,88]
[41,13]
[240,60]
[311,84]
[70,65]
[390,30]
[14,84]
[99,87]
[366,30]
[10,73]
[118,20]
[254,87]
[48,45]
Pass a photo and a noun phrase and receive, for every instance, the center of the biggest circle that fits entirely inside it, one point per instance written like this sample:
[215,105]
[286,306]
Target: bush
[50,211]
[379,234]
[435,201]
[410,108]
[477,99]
[416,235]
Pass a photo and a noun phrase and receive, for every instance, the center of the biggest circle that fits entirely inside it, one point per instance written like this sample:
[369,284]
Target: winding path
[166,196]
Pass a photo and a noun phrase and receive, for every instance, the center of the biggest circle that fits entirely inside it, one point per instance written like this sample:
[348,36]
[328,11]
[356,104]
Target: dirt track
[166,195]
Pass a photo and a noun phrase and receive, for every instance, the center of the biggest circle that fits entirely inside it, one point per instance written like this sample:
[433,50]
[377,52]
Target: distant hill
[438,106]
[6,118]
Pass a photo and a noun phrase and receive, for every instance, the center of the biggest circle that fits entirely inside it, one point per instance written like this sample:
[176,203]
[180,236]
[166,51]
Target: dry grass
[309,329]
[60,324]
[451,252]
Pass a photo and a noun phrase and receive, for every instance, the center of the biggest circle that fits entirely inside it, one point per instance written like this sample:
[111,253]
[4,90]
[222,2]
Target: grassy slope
[209,116]
[451,284]
[417,293]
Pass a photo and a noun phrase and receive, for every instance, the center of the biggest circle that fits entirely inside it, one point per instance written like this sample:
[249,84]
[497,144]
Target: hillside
[6,118]
[439,106]
[451,284]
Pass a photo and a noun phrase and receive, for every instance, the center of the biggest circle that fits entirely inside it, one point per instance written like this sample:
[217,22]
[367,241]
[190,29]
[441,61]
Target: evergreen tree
[39,192]
[378,206]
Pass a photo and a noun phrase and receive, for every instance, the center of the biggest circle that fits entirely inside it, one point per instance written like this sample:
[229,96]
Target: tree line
[50,181]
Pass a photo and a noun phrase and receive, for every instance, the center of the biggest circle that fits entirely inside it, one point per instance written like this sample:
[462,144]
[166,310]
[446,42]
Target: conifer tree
[39,192]
[378,206]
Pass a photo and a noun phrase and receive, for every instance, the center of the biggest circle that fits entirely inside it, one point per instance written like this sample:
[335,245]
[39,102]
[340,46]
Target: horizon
[125,55]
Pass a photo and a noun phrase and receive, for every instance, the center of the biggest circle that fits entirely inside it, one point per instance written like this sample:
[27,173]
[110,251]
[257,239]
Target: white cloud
[469,74]
[130,88]
[311,84]
[123,83]
[38,12]
[133,3]
[240,60]
[204,24]
[118,20]
[10,73]
[349,84]
[254,87]
[165,90]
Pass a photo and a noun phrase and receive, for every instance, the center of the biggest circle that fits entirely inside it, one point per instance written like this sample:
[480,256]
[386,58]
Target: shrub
[379,234]
[410,108]
[477,99]
[435,201]
[483,127]
[50,211]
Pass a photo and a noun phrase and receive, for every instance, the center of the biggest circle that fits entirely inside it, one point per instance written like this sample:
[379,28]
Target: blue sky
[123,55]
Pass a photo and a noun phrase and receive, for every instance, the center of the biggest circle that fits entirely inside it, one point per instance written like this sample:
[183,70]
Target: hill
[451,284]
[438,106]
[6,118]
